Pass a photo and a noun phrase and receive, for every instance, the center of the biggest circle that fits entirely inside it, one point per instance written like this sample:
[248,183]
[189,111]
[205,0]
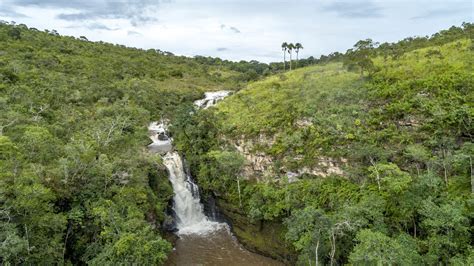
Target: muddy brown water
[215,248]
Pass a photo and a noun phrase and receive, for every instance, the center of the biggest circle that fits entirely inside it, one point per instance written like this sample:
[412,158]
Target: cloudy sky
[239,29]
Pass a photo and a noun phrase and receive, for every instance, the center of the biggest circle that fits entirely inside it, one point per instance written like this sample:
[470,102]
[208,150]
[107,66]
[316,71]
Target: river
[201,241]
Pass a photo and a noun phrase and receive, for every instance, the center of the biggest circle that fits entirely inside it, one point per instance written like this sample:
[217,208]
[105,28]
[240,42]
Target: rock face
[260,166]
[266,238]
[303,122]
[325,166]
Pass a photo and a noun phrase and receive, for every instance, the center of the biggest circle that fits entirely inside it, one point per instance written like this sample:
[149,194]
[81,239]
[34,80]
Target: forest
[368,154]
[76,183]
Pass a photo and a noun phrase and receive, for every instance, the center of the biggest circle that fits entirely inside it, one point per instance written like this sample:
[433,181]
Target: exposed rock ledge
[261,166]
[258,164]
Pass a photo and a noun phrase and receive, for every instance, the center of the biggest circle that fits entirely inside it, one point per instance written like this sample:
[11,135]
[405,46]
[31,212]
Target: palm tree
[284,46]
[298,46]
[290,51]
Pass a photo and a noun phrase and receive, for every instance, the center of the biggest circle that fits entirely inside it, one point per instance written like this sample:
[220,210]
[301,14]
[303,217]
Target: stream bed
[215,248]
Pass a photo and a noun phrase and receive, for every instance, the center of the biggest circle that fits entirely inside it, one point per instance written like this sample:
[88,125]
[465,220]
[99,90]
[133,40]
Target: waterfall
[211,98]
[158,134]
[190,217]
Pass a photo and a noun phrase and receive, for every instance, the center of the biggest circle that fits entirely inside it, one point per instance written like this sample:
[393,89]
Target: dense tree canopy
[76,183]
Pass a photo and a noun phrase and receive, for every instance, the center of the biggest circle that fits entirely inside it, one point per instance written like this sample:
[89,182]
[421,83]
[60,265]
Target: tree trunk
[472,176]
[297,59]
[445,174]
[414,227]
[284,60]
[7,125]
[316,253]
[287,192]
[238,188]
[333,247]
[444,167]
[27,239]
[290,61]
[376,171]
[68,231]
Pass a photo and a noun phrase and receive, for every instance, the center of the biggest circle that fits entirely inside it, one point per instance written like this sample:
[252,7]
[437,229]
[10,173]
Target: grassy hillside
[383,160]
[328,110]
[76,183]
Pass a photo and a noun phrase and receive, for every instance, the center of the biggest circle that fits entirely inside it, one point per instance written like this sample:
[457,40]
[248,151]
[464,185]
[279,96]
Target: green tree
[308,231]
[14,33]
[142,247]
[290,48]
[360,55]
[284,47]
[34,231]
[298,47]
[448,230]
[40,145]
[375,248]
[463,162]
[229,165]
[419,154]
[390,178]
[124,235]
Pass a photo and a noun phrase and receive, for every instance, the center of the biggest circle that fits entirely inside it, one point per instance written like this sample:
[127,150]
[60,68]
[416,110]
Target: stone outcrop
[260,165]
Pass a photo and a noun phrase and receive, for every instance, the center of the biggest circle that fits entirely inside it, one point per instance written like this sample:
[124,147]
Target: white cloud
[246,29]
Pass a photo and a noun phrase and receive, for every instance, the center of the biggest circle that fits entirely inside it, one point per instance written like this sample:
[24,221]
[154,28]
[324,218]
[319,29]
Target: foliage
[375,248]
[359,56]
[76,184]
[400,131]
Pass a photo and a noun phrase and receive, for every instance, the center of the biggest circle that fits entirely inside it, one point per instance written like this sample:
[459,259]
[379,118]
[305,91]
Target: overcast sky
[237,30]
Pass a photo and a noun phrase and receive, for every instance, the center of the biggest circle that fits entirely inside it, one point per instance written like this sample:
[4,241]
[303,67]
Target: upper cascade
[190,217]
[211,98]
[162,143]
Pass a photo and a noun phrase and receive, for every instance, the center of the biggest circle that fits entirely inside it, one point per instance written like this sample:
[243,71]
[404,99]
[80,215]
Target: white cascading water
[190,217]
[211,98]
[161,142]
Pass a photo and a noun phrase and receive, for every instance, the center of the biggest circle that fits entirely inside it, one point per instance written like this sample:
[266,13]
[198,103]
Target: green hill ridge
[356,158]
[360,169]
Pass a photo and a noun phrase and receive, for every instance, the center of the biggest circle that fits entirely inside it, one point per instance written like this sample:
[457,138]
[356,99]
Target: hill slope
[76,183]
[358,169]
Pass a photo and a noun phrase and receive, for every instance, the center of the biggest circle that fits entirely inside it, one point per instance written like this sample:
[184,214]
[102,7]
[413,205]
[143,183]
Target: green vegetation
[76,183]
[394,120]
[285,47]
[380,138]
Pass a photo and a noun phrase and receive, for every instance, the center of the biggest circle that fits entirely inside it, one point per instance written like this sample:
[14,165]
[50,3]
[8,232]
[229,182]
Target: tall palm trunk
[290,59]
[297,58]
[297,48]
[284,48]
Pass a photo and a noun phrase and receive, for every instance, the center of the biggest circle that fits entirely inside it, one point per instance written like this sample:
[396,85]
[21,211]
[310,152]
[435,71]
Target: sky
[239,30]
